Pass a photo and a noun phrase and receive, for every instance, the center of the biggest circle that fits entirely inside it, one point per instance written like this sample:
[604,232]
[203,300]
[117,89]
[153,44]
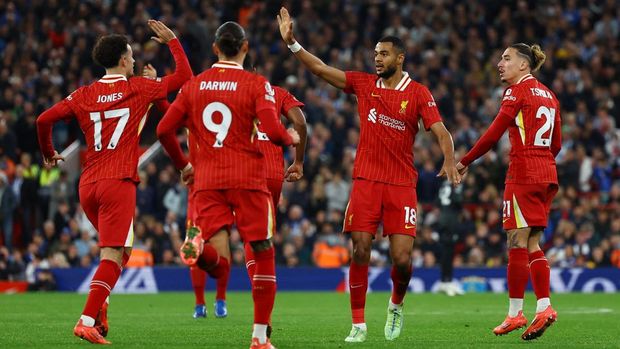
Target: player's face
[512,66]
[387,59]
[128,61]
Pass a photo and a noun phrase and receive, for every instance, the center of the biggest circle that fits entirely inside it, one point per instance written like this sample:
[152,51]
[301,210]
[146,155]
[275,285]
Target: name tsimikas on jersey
[385,120]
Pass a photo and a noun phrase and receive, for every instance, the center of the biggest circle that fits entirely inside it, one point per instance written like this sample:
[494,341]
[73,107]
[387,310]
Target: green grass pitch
[307,320]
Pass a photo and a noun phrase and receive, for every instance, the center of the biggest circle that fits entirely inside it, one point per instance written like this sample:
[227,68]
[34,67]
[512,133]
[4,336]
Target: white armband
[295,47]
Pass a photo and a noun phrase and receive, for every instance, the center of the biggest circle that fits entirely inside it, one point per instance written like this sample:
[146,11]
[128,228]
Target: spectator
[8,202]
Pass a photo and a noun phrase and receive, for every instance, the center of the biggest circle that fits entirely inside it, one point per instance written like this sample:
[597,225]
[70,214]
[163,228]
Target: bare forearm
[447,147]
[299,124]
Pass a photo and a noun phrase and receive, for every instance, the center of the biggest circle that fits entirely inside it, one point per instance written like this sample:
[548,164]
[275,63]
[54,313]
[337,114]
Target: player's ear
[524,65]
[245,47]
[216,50]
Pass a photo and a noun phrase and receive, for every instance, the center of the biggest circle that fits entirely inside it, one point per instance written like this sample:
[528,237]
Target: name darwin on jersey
[218,85]
[385,120]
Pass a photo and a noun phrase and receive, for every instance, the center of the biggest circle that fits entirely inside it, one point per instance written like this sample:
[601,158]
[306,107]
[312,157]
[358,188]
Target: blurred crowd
[452,47]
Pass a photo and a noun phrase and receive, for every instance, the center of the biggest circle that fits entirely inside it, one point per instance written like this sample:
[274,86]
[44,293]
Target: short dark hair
[229,37]
[109,49]
[398,44]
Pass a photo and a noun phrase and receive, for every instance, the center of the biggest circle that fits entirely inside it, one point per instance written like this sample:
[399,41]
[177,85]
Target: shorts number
[549,114]
[122,113]
[506,209]
[221,129]
[410,215]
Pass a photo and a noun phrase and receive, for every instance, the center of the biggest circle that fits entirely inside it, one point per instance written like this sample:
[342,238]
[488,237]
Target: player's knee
[361,253]
[402,261]
[260,246]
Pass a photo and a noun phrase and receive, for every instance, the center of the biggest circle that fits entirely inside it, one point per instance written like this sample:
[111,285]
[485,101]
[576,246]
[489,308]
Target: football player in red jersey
[220,107]
[390,104]
[531,114]
[111,113]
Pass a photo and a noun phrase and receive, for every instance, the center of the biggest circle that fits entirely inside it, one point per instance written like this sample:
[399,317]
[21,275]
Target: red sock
[221,273]
[518,272]
[208,259]
[401,283]
[250,263]
[100,286]
[539,270]
[217,267]
[264,286]
[199,281]
[358,285]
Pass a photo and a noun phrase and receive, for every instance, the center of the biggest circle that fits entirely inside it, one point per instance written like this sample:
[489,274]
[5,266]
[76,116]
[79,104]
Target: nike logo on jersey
[409,226]
[505,220]
[372,94]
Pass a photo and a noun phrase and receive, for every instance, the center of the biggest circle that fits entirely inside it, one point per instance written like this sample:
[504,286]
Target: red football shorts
[275,188]
[251,210]
[527,205]
[374,202]
[110,205]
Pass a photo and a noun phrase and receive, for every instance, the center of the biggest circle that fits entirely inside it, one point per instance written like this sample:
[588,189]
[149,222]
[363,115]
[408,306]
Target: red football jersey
[111,113]
[274,157]
[388,126]
[221,105]
[531,113]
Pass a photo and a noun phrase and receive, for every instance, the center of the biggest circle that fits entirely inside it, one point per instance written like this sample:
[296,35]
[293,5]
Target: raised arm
[296,170]
[45,123]
[166,132]
[488,139]
[447,148]
[333,76]
[183,71]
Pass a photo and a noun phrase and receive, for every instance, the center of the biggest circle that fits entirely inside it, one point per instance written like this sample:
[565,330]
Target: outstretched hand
[451,172]
[164,34]
[286,26]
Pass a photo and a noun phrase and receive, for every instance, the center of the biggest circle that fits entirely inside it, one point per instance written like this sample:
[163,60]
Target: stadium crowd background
[452,47]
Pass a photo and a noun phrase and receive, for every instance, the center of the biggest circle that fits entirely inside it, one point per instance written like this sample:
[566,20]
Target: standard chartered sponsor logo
[391,122]
[385,120]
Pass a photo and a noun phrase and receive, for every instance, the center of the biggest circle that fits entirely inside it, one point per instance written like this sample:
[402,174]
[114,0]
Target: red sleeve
[288,101]
[511,103]
[353,81]
[427,108]
[183,71]
[45,123]
[162,105]
[556,137]
[166,132]
[267,114]
[273,127]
